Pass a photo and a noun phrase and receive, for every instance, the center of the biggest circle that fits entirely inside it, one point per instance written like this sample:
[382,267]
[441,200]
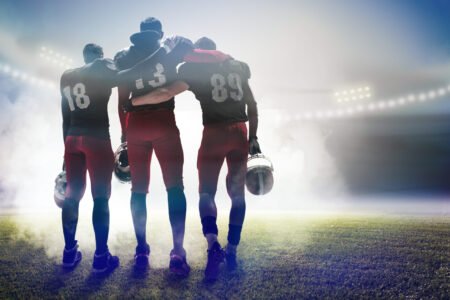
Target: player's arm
[161,94]
[65,112]
[129,75]
[124,96]
[65,116]
[252,112]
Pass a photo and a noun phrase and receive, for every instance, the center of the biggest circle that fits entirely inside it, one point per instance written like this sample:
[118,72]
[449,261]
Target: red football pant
[148,131]
[223,141]
[94,155]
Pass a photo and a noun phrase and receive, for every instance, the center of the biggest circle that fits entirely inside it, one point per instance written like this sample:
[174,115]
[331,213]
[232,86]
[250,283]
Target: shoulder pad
[120,57]
[241,67]
[104,64]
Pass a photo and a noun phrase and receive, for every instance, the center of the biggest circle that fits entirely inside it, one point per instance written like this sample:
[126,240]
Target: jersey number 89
[82,100]
[221,91]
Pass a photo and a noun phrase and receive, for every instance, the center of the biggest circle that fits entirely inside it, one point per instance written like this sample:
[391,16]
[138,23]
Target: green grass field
[281,256]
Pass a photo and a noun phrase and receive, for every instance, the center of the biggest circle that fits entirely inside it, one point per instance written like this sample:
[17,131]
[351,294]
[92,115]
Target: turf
[281,256]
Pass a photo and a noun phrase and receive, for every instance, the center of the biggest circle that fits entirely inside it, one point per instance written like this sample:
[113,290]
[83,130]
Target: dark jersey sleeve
[120,60]
[186,74]
[106,71]
[65,110]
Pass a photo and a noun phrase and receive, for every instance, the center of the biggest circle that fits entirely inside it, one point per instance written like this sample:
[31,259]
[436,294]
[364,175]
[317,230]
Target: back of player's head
[91,52]
[151,24]
[205,44]
[150,32]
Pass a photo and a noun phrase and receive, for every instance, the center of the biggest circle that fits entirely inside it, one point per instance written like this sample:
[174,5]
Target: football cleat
[60,189]
[259,177]
[231,261]
[104,262]
[178,264]
[141,258]
[71,257]
[121,165]
[215,259]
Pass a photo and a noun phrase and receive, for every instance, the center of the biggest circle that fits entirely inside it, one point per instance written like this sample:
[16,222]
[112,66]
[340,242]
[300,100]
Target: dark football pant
[148,131]
[225,141]
[95,155]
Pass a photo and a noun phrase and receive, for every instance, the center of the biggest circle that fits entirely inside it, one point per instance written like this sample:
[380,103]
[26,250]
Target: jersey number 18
[82,100]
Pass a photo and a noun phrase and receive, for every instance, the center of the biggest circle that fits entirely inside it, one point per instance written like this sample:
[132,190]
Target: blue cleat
[71,257]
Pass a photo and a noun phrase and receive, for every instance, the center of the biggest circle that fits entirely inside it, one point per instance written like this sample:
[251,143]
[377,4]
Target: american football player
[221,85]
[152,128]
[85,94]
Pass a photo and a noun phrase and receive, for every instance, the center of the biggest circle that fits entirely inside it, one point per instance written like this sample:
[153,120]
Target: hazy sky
[299,51]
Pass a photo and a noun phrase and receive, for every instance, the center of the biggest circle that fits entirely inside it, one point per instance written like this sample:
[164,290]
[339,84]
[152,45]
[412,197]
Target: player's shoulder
[239,66]
[69,73]
[122,57]
[104,64]
[186,67]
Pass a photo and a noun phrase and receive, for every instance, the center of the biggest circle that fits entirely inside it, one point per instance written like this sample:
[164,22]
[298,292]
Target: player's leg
[100,164]
[139,157]
[76,184]
[209,162]
[235,181]
[170,156]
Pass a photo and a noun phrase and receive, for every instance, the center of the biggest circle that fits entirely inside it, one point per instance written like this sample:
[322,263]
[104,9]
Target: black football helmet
[60,189]
[121,165]
[259,177]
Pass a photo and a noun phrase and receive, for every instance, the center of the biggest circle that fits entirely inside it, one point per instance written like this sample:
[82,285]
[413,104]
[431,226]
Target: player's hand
[123,158]
[127,106]
[253,146]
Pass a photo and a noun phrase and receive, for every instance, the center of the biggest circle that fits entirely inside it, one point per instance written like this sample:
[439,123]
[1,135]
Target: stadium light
[22,76]
[353,94]
[374,106]
[55,58]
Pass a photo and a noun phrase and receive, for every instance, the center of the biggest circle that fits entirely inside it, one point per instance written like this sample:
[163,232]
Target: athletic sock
[234,234]
[69,217]
[139,214]
[177,217]
[231,249]
[100,220]
[211,238]
[210,230]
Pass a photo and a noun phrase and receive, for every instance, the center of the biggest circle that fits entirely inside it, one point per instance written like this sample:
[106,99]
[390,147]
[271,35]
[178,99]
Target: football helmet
[121,165]
[60,189]
[259,177]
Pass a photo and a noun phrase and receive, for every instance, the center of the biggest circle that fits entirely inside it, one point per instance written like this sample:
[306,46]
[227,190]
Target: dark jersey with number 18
[222,89]
[85,94]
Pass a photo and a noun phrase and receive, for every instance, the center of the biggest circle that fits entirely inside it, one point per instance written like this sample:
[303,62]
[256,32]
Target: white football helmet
[60,189]
[121,165]
[259,178]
